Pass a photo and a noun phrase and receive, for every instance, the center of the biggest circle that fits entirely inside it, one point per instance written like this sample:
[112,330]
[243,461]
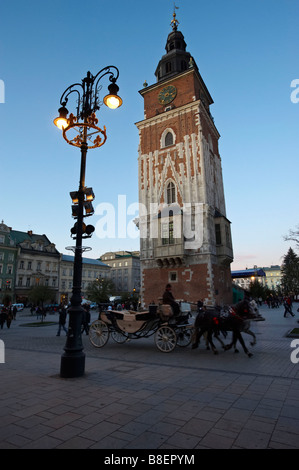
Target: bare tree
[293,236]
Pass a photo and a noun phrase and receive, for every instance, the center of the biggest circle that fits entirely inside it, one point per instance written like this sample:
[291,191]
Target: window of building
[173,276]
[167,233]
[170,193]
[28,282]
[168,67]
[9,269]
[1,256]
[29,266]
[20,282]
[168,139]
[218,234]
[2,239]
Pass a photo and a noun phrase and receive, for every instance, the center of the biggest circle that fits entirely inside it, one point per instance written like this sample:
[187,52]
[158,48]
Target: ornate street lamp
[87,135]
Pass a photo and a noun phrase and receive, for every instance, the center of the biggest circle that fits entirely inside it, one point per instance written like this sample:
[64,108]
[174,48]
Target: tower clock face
[167,94]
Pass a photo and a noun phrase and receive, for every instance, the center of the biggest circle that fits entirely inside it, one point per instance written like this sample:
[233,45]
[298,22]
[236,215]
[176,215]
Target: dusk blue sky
[247,53]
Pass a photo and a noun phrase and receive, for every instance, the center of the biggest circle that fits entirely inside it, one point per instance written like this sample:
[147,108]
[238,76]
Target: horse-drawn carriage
[169,331]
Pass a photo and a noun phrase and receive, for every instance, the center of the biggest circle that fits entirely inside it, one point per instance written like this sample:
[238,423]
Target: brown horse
[213,321]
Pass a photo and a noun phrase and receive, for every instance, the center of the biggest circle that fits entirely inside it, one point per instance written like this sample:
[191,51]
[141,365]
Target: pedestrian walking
[287,306]
[14,312]
[9,317]
[86,319]
[38,312]
[62,320]
[3,316]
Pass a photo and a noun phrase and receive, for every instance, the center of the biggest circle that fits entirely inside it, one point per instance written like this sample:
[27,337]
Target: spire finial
[174,23]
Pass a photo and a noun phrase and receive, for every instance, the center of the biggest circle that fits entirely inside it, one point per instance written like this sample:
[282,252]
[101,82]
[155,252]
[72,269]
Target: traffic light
[87,202]
[87,230]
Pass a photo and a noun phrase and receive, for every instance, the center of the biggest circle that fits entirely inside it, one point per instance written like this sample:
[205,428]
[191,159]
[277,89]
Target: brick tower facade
[185,235]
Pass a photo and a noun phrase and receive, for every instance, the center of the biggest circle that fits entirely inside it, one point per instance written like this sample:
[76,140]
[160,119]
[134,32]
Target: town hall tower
[185,234]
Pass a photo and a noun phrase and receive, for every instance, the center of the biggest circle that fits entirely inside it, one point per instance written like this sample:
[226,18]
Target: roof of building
[272,268]
[19,237]
[95,262]
[248,273]
[122,254]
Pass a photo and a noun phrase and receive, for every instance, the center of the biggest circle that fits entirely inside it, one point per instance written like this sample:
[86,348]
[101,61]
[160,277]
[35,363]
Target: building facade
[185,234]
[244,277]
[37,264]
[267,276]
[273,277]
[125,270]
[92,270]
[8,260]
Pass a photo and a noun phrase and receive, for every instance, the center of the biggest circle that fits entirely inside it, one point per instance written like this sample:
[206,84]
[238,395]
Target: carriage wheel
[119,337]
[165,339]
[98,333]
[184,336]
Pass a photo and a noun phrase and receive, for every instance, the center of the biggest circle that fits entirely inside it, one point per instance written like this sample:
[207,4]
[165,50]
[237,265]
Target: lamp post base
[73,360]
[72,365]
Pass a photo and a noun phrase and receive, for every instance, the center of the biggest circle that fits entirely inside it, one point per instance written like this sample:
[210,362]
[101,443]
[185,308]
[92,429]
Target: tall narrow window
[168,139]
[170,193]
[218,234]
[167,233]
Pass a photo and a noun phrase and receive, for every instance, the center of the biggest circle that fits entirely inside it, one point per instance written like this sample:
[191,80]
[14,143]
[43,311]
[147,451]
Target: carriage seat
[165,312]
[130,323]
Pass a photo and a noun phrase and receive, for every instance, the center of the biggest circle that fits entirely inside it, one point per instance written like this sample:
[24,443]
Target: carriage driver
[169,300]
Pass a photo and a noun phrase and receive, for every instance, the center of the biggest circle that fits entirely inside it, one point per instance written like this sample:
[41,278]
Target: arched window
[170,193]
[168,139]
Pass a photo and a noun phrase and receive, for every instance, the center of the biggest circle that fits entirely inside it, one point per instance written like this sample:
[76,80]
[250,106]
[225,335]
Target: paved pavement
[135,397]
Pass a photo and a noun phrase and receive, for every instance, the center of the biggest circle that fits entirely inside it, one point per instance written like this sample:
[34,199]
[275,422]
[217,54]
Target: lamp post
[87,136]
